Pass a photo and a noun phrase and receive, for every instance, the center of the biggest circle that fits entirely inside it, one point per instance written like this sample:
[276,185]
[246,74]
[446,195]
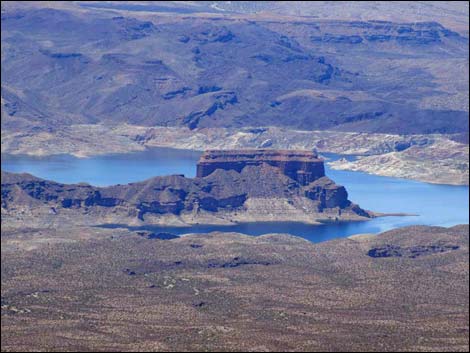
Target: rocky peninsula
[231,187]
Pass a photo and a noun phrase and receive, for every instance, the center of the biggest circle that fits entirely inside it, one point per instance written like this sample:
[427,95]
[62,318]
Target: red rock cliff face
[302,166]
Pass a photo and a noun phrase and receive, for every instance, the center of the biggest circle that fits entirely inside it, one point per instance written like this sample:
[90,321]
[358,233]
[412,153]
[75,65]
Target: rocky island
[230,187]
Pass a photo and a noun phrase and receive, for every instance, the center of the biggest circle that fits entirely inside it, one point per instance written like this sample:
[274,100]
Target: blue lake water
[441,205]
[106,170]
[147,8]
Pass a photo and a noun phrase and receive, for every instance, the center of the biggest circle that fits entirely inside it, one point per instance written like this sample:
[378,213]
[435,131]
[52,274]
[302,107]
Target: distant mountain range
[82,64]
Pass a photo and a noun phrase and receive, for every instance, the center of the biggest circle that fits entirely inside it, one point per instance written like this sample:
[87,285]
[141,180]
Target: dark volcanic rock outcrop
[256,185]
[411,252]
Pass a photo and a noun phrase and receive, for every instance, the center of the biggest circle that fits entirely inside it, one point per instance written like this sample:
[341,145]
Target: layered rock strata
[302,166]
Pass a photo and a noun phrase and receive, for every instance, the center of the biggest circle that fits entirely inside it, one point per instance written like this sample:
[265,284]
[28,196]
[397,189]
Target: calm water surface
[106,170]
[441,205]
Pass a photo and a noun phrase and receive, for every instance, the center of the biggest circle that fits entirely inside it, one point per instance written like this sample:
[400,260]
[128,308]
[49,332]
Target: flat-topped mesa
[302,166]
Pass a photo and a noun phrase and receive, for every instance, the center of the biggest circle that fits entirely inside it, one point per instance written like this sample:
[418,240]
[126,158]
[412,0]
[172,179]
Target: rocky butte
[231,186]
[302,166]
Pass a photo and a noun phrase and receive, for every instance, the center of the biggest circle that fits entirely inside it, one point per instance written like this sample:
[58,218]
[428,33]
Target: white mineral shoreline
[432,159]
